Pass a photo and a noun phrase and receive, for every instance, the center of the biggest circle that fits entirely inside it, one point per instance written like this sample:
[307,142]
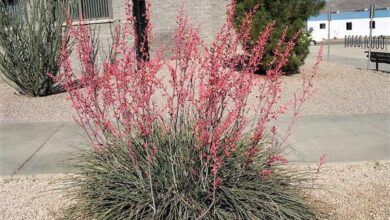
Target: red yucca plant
[187,137]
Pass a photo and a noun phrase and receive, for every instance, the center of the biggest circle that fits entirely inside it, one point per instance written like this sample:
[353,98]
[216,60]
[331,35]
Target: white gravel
[348,191]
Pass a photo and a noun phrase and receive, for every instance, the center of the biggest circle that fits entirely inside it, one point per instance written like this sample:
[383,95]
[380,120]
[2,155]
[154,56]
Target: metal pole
[329,19]
[372,12]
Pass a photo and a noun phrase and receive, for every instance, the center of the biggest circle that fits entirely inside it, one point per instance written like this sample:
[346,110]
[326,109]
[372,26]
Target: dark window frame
[322,26]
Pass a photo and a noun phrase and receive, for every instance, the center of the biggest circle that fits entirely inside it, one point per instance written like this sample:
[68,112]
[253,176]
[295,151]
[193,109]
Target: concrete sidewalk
[343,138]
[39,148]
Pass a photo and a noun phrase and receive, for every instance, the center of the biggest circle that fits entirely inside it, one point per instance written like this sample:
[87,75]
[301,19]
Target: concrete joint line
[38,149]
[289,147]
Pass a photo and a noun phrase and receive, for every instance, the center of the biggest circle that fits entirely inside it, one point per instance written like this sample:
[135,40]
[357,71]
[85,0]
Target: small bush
[30,43]
[184,138]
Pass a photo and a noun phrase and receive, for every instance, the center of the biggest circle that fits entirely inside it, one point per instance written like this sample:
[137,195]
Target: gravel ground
[31,197]
[348,191]
[341,89]
[19,108]
[358,190]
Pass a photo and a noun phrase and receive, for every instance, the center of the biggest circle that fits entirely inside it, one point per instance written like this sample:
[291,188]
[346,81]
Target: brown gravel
[348,191]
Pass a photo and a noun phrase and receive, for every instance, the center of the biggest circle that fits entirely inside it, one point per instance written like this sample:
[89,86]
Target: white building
[349,23]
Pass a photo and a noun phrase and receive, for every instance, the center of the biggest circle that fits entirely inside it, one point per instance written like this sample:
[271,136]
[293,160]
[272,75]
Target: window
[349,26]
[88,9]
[322,26]
[373,24]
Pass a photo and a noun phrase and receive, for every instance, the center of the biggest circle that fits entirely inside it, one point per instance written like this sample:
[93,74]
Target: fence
[377,42]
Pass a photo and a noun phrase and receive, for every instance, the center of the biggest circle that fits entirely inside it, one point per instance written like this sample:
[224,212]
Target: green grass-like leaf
[109,187]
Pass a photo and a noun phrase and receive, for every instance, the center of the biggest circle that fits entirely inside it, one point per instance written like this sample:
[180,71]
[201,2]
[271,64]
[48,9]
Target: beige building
[208,14]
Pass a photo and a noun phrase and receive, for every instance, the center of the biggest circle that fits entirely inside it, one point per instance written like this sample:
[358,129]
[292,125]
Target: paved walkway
[40,148]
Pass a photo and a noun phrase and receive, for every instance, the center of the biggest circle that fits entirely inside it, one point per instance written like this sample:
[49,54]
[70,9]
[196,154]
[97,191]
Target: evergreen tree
[291,13]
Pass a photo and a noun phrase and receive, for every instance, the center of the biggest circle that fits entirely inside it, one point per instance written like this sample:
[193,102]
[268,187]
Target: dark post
[377,65]
[139,12]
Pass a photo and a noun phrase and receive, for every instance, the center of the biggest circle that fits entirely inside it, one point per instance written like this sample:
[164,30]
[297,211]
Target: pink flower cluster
[213,86]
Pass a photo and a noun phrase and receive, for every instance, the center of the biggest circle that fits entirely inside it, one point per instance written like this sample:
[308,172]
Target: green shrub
[292,14]
[30,44]
[109,187]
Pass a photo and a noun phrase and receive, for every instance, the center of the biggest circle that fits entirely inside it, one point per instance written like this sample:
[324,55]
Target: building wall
[208,15]
[359,27]
[360,24]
